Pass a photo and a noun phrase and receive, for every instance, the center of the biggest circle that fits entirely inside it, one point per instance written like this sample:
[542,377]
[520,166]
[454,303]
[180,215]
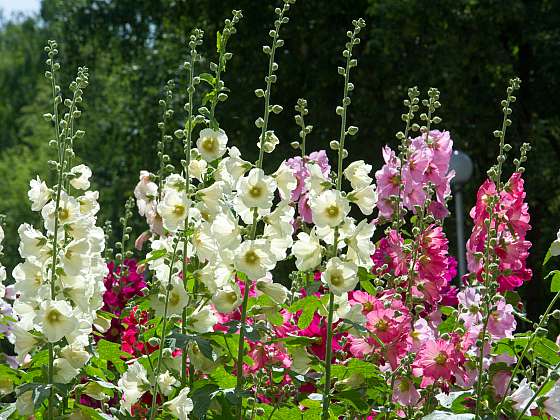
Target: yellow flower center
[178,210]
[208,144]
[441,358]
[337,279]
[174,298]
[231,297]
[332,211]
[382,325]
[53,316]
[63,214]
[255,191]
[251,257]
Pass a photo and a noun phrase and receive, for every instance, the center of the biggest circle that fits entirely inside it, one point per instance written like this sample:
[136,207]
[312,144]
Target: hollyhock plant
[317,290]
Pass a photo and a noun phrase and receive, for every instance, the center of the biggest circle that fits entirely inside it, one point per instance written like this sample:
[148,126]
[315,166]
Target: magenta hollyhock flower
[390,252]
[511,222]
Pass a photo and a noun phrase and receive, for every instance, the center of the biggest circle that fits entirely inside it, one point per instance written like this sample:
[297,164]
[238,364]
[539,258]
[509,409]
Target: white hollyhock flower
[133,384]
[329,208]
[145,192]
[166,382]
[226,231]
[227,299]
[317,181]
[275,291]
[89,205]
[68,212]
[205,246]
[75,257]
[270,142]
[215,277]
[231,168]
[32,243]
[76,355]
[254,258]
[307,250]
[286,181]
[211,197]
[27,312]
[178,299]
[55,319]
[555,246]
[181,405]
[522,396]
[25,341]
[174,182]
[82,174]
[173,210]
[552,402]
[358,174]
[278,229]
[211,144]
[340,276]
[203,319]
[29,278]
[256,189]
[360,247]
[365,199]
[64,372]
[198,168]
[39,194]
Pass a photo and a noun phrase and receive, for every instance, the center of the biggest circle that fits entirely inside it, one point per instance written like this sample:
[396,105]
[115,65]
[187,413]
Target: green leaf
[208,78]
[107,350]
[306,316]
[223,378]
[218,42]
[547,257]
[555,283]
[160,253]
[300,304]
[201,399]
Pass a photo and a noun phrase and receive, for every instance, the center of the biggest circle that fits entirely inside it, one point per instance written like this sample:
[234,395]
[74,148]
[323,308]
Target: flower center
[255,191]
[251,258]
[231,297]
[208,144]
[441,358]
[337,279]
[404,386]
[53,317]
[63,214]
[332,211]
[174,298]
[382,325]
[178,210]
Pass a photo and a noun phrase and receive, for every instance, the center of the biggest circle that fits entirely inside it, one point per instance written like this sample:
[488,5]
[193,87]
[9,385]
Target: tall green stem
[162,337]
[341,151]
[270,79]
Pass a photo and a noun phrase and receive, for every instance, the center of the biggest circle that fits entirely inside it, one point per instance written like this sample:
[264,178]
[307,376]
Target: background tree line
[466,48]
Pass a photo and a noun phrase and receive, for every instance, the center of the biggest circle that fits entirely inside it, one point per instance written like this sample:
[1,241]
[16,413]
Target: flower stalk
[342,153]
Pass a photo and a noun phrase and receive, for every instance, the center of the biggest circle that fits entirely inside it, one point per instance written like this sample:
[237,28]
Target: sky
[25,6]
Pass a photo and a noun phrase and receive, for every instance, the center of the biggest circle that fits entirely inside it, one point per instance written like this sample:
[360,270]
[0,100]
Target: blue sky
[26,6]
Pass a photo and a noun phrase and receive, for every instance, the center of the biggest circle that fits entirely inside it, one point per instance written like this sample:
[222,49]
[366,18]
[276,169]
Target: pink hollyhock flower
[501,322]
[469,306]
[390,252]
[421,333]
[511,221]
[405,393]
[438,359]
